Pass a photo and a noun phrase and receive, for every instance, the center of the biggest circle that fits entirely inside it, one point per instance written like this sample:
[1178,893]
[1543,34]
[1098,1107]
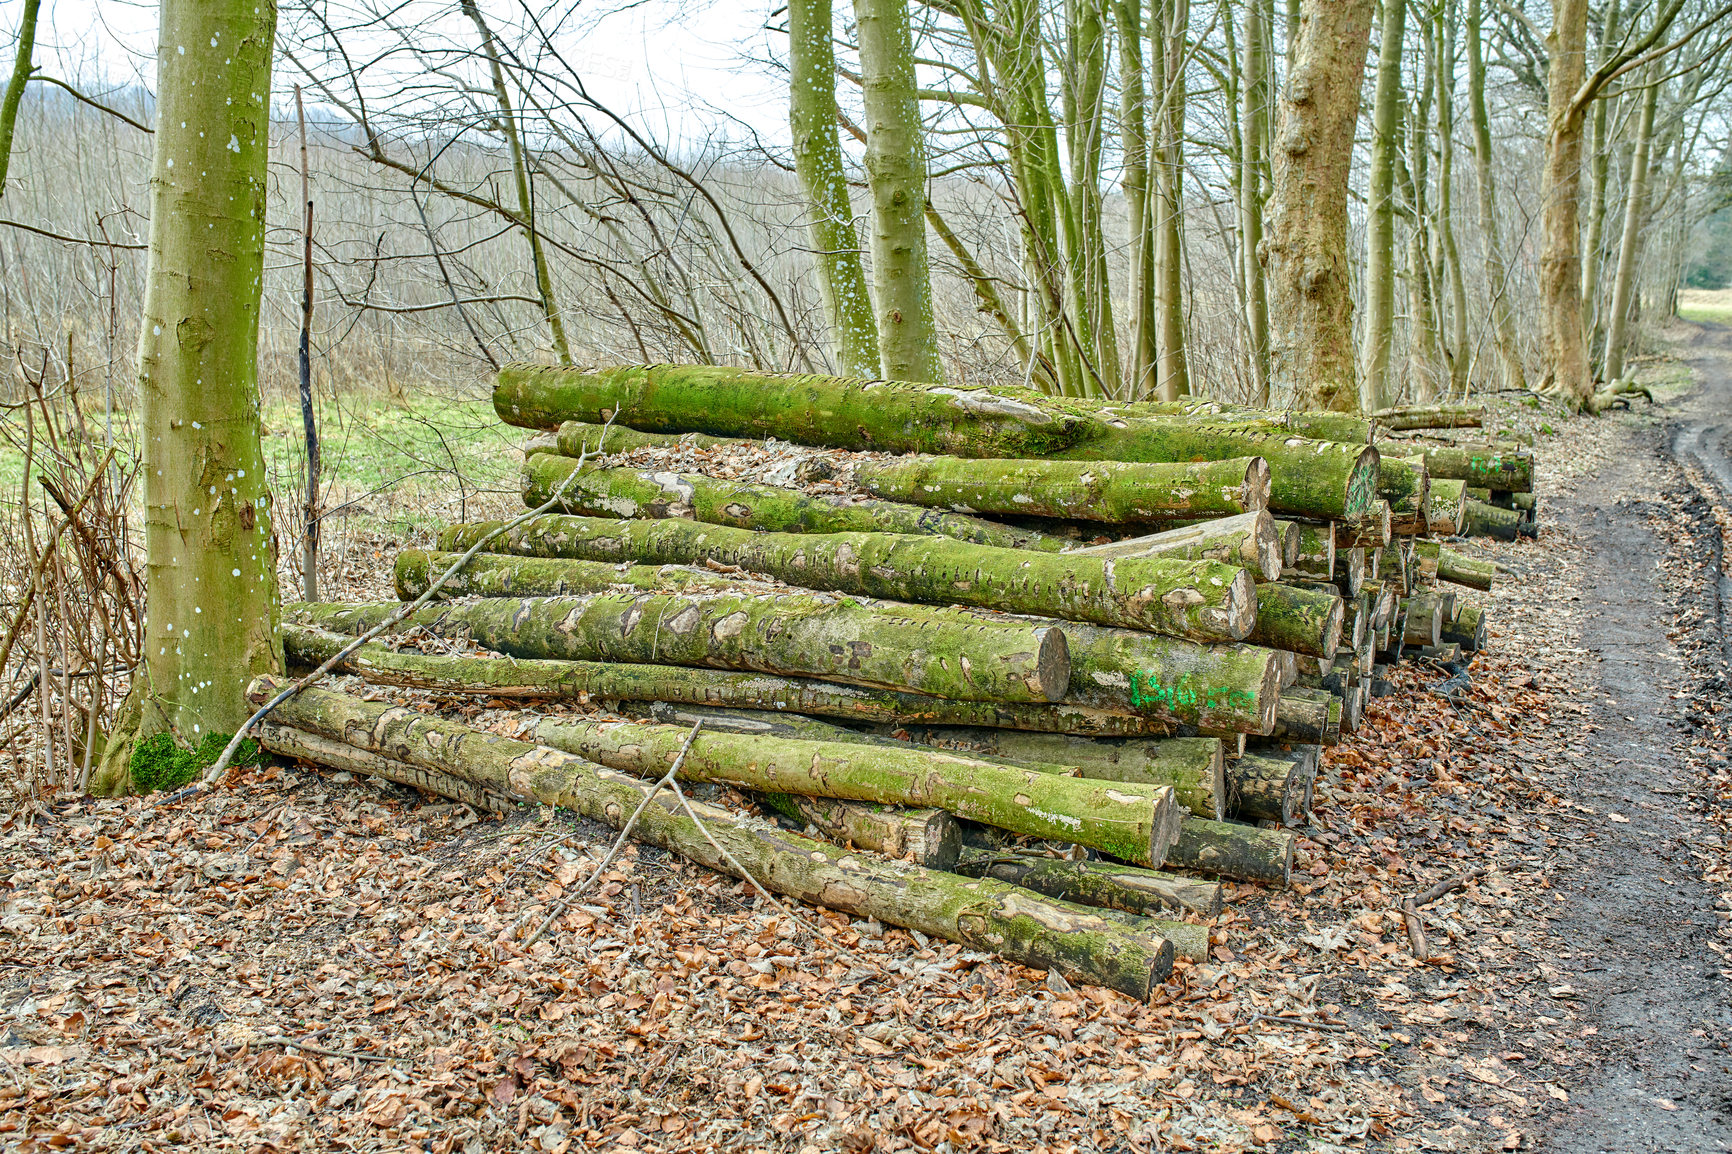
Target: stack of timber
[1034,674]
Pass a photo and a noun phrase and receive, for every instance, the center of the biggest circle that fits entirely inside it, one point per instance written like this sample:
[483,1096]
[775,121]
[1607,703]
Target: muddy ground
[308,961]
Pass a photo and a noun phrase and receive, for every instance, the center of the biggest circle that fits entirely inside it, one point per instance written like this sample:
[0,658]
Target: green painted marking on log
[1146,690]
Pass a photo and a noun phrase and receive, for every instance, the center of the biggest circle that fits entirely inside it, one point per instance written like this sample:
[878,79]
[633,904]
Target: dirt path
[1650,1003]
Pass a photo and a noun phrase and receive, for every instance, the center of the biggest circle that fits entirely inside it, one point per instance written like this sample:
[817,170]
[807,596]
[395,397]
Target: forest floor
[310,961]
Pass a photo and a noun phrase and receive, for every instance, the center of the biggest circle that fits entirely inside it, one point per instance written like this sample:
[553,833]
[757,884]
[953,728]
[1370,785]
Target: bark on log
[1308,716]
[642,494]
[586,681]
[1197,599]
[928,837]
[1310,478]
[1349,568]
[1482,520]
[497,575]
[1372,530]
[1107,885]
[1229,850]
[1468,630]
[1134,822]
[1393,568]
[1424,622]
[1324,426]
[802,635]
[1461,569]
[1298,620]
[286,741]
[1248,539]
[1316,553]
[1103,948]
[575,438]
[1406,485]
[1448,506]
[1405,417]
[1112,491]
[1488,466]
[1266,786]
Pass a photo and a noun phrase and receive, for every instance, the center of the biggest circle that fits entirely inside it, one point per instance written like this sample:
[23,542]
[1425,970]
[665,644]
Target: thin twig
[1447,886]
[349,1055]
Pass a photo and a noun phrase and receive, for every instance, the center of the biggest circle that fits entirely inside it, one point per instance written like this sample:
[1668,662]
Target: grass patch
[1706,306]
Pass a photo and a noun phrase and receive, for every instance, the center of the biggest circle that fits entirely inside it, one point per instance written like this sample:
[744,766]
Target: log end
[1254,494]
[1052,665]
[1241,605]
[940,841]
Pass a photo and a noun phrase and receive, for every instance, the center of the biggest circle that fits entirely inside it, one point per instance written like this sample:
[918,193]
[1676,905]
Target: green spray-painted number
[1147,690]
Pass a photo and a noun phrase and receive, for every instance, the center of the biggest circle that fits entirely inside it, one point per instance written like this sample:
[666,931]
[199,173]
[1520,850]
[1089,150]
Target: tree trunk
[211,613]
[929,837]
[1635,218]
[1107,885]
[584,681]
[1443,73]
[1311,355]
[23,65]
[1229,850]
[1490,225]
[1560,203]
[896,175]
[818,163]
[1406,485]
[1248,539]
[1200,600]
[1380,211]
[1168,34]
[1133,822]
[1600,151]
[647,495]
[1308,717]
[575,438]
[1297,620]
[1253,176]
[832,638]
[497,575]
[1111,491]
[1424,619]
[1090,946]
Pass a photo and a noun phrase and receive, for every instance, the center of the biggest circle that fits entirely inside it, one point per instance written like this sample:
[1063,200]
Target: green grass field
[1713,306]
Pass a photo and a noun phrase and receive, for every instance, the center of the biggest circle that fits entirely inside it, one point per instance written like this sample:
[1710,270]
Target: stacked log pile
[1034,674]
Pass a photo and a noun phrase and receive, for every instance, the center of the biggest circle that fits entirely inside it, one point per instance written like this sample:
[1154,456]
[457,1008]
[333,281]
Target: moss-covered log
[1406,485]
[1489,466]
[1482,520]
[1405,417]
[1266,785]
[1095,947]
[1288,532]
[1460,569]
[1448,506]
[1198,599]
[1298,620]
[1097,883]
[1247,539]
[498,575]
[1112,491]
[1323,426]
[928,837]
[1308,716]
[1371,530]
[286,741]
[586,681]
[641,493]
[1309,477]
[1350,569]
[1468,630]
[801,635]
[1237,852]
[1133,822]
[1424,622]
[1316,552]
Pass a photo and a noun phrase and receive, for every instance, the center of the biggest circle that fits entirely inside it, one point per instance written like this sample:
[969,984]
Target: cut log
[1392,567]
[1406,485]
[1098,883]
[1308,716]
[1468,630]
[1288,532]
[1112,491]
[497,575]
[1448,506]
[1197,599]
[1424,622]
[1482,520]
[575,438]
[1488,466]
[1299,620]
[286,741]
[1266,785]
[1134,822]
[586,681]
[1095,947]
[801,635]
[1460,569]
[1350,569]
[1324,426]
[1316,552]
[1372,529]
[640,493]
[1248,539]
[1237,852]
[1405,417]
[928,837]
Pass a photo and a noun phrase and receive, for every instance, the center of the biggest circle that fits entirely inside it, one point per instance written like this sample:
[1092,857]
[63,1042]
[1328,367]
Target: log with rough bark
[1112,491]
[1460,569]
[1491,466]
[1233,851]
[1096,947]
[1468,630]
[1310,478]
[1248,539]
[1266,785]
[1134,822]
[1448,506]
[1298,620]
[642,493]
[928,837]
[586,681]
[1403,418]
[1202,600]
[1424,621]
[1097,883]
[1371,530]
[803,635]
[1316,552]
[1482,520]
